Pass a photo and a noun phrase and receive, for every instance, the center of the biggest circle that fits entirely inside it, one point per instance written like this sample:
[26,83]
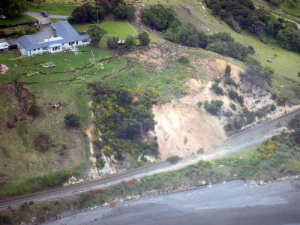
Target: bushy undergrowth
[123,122]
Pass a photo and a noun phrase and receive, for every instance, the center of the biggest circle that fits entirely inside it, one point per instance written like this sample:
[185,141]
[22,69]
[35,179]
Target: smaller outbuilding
[4,47]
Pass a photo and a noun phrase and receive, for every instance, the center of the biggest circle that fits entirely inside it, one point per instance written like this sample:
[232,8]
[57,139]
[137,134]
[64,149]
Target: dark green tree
[112,41]
[79,14]
[228,70]
[72,120]
[12,8]
[130,41]
[144,38]
[33,110]
[140,119]
[96,32]
[131,13]
[121,12]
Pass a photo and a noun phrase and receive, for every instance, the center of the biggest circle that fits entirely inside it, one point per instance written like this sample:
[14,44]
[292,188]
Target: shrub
[79,14]
[144,38]
[184,60]
[295,122]
[200,151]
[273,107]
[121,11]
[32,30]
[130,41]
[228,71]
[131,13]
[185,92]
[112,41]
[274,96]
[173,159]
[199,104]
[33,110]
[252,50]
[241,100]
[230,81]
[214,107]
[233,106]
[218,90]
[159,17]
[72,120]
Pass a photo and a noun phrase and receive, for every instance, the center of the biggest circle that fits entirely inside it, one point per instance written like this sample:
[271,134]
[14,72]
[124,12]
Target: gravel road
[45,20]
[231,203]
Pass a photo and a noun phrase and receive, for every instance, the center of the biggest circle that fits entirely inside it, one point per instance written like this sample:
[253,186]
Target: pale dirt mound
[178,123]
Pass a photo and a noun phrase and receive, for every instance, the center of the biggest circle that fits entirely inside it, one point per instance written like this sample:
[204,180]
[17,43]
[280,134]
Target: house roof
[63,30]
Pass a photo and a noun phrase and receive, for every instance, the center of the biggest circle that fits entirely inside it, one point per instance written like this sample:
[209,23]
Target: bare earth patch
[182,129]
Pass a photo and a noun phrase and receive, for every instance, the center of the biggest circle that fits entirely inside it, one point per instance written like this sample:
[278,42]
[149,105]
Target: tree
[96,32]
[121,12]
[131,13]
[39,3]
[252,50]
[79,14]
[228,71]
[199,104]
[214,107]
[144,38]
[12,8]
[72,120]
[130,41]
[124,96]
[140,119]
[91,12]
[112,41]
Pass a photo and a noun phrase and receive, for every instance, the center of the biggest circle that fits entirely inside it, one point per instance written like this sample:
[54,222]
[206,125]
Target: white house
[66,37]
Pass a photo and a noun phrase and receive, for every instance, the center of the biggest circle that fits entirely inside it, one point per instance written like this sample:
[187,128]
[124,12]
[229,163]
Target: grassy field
[119,29]
[18,20]
[59,85]
[56,9]
[288,9]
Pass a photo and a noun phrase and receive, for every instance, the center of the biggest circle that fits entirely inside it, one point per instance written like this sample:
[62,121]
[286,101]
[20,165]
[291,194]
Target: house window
[76,42]
[85,40]
[38,49]
[34,50]
[45,48]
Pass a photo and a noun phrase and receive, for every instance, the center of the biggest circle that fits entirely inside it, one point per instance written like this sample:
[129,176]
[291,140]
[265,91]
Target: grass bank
[18,20]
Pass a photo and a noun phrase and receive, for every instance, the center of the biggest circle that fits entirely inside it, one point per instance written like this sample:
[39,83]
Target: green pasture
[55,9]
[17,20]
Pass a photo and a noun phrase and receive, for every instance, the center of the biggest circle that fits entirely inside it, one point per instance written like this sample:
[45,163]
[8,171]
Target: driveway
[45,20]
[45,33]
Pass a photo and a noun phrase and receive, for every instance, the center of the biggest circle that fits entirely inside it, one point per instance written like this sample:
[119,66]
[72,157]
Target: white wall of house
[54,48]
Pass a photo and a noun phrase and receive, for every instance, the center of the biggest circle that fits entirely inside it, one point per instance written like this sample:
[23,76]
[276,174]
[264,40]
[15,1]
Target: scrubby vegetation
[124,122]
[173,159]
[214,107]
[243,15]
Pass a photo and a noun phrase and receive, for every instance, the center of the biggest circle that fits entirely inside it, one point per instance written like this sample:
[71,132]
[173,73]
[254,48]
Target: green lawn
[18,20]
[59,84]
[56,9]
[119,29]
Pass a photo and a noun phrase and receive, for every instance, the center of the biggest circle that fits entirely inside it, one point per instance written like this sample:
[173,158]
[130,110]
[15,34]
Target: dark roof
[63,30]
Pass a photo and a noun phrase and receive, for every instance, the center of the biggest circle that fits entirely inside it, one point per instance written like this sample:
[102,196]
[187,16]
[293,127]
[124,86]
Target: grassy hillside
[60,86]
